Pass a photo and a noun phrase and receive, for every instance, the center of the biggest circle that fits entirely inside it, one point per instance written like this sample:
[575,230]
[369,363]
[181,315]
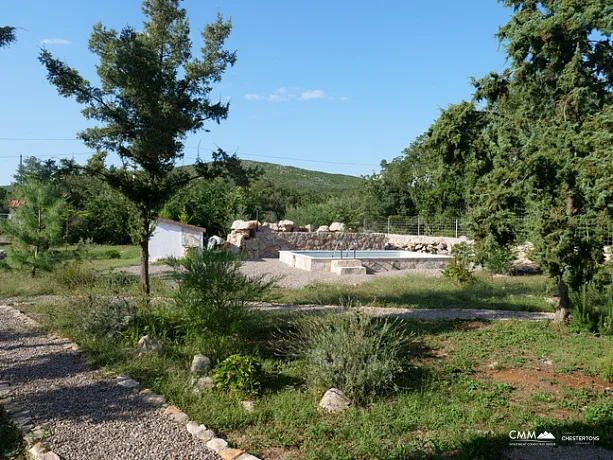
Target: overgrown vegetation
[11,444]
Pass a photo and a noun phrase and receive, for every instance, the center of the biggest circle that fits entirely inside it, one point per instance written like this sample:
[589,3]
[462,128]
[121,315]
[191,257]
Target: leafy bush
[605,368]
[498,259]
[93,315]
[111,254]
[459,266]
[75,274]
[213,292]
[239,373]
[599,413]
[592,310]
[359,355]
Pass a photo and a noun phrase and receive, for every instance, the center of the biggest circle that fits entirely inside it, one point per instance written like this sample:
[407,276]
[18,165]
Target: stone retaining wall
[267,243]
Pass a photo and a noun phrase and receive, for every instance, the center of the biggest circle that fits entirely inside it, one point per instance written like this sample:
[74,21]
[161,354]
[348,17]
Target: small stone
[493,365]
[248,406]
[230,454]
[152,398]
[148,344]
[201,365]
[247,457]
[127,382]
[334,401]
[39,452]
[547,361]
[171,410]
[217,444]
[203,384]
[176,414]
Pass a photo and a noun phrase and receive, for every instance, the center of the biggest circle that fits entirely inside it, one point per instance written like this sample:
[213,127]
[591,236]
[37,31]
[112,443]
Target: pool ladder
[340,243]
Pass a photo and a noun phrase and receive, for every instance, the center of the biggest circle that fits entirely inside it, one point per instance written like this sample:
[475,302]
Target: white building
[174,239]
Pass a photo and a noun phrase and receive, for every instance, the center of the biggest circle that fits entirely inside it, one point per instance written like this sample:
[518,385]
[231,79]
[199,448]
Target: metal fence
[417,225]
[457,227]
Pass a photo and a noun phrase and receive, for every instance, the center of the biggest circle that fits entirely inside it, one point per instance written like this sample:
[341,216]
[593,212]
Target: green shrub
[592,310]
[459,266]
[111,254]
[76,275]
[239,373]
[599,413]
[357,354]
[498,259]
[213,292]
[605,368]
[93,315]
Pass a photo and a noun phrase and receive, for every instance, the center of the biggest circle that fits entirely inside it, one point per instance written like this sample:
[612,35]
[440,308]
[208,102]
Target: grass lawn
[525,293]
[468,385]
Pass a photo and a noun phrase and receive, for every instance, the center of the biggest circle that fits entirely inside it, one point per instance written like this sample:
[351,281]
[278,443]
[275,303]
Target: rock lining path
[89,417]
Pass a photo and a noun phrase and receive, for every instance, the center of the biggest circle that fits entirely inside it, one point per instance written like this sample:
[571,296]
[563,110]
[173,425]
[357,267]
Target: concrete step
[338,263]
[351,271]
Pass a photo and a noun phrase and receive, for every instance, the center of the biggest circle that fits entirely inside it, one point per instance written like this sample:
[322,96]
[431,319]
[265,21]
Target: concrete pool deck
[373,261]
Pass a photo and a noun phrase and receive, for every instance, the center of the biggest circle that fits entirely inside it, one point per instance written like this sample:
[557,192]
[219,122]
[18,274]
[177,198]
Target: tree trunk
[144,266]
[562,309]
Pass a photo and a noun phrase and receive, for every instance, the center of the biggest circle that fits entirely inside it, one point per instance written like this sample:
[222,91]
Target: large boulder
[245,225]
[334,401]
[337,227]
[286,226]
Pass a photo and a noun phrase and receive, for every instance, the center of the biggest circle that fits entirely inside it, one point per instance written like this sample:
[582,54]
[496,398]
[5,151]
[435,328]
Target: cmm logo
[523,435]
[531,436]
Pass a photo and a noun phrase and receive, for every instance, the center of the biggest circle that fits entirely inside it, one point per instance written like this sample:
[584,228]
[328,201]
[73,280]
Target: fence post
[388,225]
[456,228]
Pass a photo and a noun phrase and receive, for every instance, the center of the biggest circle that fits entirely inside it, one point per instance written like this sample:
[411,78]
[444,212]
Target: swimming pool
[374,261]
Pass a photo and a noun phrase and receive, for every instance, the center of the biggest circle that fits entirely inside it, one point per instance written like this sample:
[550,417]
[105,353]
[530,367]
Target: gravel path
[88,417]
[410,313]
[292,277]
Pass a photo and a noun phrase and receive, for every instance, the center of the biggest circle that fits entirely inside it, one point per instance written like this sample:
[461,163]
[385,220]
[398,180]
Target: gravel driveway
[88,417]
[291,277]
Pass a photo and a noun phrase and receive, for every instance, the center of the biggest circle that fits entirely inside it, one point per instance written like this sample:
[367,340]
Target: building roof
[181,224]
[14,204]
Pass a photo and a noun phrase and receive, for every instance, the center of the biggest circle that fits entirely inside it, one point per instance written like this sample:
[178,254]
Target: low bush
[92,315]
[359,355]
[213,292]
[239,373]
[459,266]
[75,275]
[111,254]
[605,368]
[592,310]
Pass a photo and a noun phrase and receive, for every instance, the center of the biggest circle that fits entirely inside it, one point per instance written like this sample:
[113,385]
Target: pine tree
[152,93]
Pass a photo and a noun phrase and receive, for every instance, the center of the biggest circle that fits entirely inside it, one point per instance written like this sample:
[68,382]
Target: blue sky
[341,84]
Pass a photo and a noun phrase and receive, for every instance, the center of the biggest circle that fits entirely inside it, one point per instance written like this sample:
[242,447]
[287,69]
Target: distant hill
[305,179]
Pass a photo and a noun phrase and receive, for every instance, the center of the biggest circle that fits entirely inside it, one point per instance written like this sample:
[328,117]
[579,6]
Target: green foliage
[213,292]
[592,309]
[152,93]
[7,35]
[459,266]
[11,443]
[111,254]
[346,209]
[357,354]
[93,315]
[599,414]
[496,258]
[605,368]
[239,373]
[37,225]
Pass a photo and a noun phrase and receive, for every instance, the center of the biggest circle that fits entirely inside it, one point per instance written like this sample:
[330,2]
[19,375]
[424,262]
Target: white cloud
[284,94]
[312,94]
[55,41]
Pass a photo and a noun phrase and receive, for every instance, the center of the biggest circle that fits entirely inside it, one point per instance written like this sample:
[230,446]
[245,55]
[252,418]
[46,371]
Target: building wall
[168,241]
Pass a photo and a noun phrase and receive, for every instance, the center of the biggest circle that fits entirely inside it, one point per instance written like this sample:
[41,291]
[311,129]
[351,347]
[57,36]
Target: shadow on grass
[499,447]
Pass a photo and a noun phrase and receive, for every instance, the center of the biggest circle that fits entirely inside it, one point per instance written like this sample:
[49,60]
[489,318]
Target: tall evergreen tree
[548,116]
[152,93]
